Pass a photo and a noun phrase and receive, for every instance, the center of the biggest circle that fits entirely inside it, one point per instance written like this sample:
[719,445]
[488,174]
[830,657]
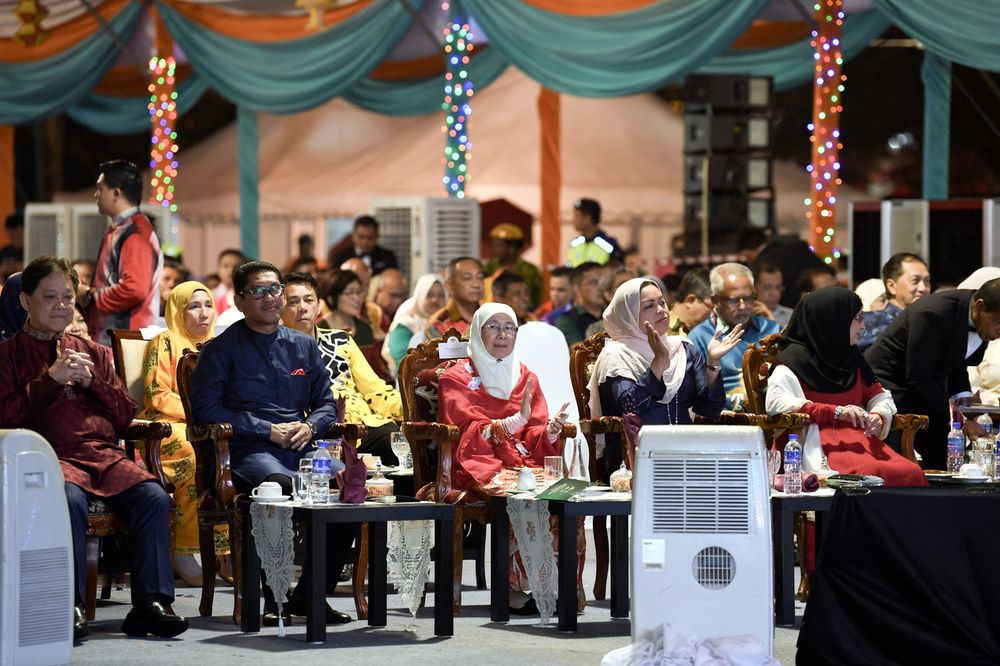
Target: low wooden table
[783,510]
[315,519]
[566,513]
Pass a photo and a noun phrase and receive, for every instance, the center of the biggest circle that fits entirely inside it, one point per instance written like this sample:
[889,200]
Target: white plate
[970,479]
[271,500]
[939,475]
[596,489]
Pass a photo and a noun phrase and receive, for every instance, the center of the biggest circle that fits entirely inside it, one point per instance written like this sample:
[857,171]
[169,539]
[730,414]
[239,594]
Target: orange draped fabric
[61,37]
[259,28]
[6,176]
[550,175]
[771,34]
[589,7]
[407,70]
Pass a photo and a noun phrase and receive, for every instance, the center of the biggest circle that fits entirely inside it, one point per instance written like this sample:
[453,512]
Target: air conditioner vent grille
[44,609]
[714,568]
[701,496]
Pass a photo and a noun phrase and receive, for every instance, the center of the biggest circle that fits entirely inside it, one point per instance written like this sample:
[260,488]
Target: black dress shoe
[153,619]
[270,618]
[80,628]
[297,606]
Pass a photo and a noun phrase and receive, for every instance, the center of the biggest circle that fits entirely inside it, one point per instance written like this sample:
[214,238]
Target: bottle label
[321,466]
[793,457]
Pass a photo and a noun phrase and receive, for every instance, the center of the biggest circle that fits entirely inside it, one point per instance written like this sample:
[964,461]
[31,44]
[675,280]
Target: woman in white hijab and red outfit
[504,423]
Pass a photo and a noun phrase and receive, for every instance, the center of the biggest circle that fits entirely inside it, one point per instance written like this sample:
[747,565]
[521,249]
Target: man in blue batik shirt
[733,297]
[270,384]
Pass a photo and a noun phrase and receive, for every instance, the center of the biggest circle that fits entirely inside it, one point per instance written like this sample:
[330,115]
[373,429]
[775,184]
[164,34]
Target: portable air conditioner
[427,233]
[36,554]
[47,230]
[701,533]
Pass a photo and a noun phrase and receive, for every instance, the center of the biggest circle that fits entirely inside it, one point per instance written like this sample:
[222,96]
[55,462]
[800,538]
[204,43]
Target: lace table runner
[273,534]
[409,560]
[529,519]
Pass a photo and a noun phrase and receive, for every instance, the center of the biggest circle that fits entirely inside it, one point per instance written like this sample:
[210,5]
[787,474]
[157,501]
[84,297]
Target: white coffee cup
[268,489]
[970,470]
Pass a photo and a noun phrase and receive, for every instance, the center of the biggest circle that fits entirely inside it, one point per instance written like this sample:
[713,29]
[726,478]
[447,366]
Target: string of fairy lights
[163,115]
[828,92]
[458,91]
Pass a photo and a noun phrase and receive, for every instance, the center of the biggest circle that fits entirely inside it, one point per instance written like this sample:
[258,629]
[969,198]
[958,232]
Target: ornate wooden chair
[220,503]
[102,522]
[431,444]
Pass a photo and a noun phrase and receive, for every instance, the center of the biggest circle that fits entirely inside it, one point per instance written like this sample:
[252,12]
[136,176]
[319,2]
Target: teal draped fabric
[936,74]
[128,115]
[616,54]
[414,98]
[792,65]
[295,75]
[31,91]
[963,31]
[248,152]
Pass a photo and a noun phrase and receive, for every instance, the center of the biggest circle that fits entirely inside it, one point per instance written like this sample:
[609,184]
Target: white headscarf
[499,376]
[627,353]
[979,277]
[870,291]
[412,313]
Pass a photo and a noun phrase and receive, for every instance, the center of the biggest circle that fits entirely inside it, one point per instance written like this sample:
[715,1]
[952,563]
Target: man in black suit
[364,245]
[922,357]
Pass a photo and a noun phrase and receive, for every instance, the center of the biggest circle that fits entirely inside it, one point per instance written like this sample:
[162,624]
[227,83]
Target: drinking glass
[302,481]
[553,468]
[773,464]
[401,447]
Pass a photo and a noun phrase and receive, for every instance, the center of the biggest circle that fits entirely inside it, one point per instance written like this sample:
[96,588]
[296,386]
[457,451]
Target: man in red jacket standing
[125,292]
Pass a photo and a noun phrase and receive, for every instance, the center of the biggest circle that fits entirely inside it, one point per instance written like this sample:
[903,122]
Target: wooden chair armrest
[602,425]
[211,452]
[730,418]
[568,431]
[352,432]
[789,421]
[426,430]
[909,424]
[151,434]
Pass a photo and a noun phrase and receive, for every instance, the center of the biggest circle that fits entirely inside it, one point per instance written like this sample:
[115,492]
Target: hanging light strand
[457,107]
[163,116]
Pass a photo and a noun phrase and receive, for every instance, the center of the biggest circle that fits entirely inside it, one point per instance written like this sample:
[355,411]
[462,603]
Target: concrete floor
[216,640]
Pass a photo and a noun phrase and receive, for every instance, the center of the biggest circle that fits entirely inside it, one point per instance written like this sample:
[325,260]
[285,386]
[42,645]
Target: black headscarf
[816,344]
[12,315]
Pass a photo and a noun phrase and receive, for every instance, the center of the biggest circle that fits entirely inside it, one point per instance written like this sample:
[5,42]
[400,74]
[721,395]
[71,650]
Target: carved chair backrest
[129,349]
[419,372]
[582,357]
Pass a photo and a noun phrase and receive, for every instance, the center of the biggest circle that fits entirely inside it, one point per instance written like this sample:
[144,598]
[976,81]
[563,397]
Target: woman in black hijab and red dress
[821,372]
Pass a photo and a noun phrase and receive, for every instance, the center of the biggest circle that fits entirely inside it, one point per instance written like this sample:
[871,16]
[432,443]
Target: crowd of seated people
[668,358]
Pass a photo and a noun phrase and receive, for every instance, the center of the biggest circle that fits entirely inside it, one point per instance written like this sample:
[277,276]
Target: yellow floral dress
[368,399]
[163,403]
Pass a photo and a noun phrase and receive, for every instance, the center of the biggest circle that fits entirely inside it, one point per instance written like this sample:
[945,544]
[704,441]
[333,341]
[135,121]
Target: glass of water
[302,480]
[401,447]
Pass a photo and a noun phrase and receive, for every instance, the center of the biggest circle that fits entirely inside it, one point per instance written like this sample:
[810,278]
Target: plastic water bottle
[956,447]
[996,460]
[793,465]
[319,493]
[986,423]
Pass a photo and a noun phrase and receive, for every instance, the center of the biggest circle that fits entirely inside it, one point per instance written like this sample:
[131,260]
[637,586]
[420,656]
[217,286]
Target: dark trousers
[339,538]
[146,507]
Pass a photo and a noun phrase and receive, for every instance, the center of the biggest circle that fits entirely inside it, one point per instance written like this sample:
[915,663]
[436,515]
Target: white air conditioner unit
[427,233]
[905,228]
[47,230]
[36,554]
[701,533]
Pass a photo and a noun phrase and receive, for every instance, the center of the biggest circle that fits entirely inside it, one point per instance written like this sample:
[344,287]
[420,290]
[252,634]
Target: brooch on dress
[475,382]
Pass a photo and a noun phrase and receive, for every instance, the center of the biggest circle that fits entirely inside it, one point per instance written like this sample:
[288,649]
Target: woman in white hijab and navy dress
[641,370]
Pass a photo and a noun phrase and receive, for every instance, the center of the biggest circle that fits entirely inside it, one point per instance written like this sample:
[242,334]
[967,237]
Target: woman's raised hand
[529,386]
[721,345]
[556,423]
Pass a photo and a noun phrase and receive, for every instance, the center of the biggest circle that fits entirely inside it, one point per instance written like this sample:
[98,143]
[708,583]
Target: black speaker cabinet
[734,92]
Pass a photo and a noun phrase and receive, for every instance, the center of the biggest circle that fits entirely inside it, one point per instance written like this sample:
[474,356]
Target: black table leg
[783,527]
[316,592]
[567,571]
[619,566]
[499,555]
[444,573]
[250,622]
[377,572]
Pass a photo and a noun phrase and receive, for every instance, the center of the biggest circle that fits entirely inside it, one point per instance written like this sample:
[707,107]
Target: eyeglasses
[257,293]
[508,329]
[739,301]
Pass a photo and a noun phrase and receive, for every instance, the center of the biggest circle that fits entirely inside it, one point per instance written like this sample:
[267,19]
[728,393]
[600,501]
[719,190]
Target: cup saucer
[271,500]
